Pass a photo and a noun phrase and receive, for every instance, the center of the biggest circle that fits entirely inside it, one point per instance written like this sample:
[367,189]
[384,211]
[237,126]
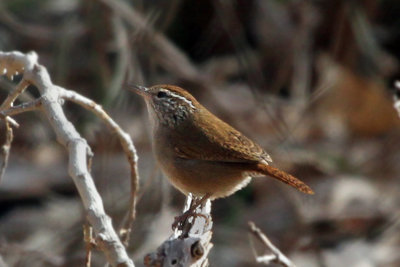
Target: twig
[25,107]
[22,108]
[276,255]
[88,238]
[127,145]
[397,97]
[10,68]
[77,147]
[5,150]
[14,94]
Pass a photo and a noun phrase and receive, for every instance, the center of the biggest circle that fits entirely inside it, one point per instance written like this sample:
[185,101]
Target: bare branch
[127,145]
[9,66]
[88,238]
[5,150]
[11,121]
[189,246]
[397,97]
[77,147]
[14,94]
[22,108]
[276,255]
[13,63]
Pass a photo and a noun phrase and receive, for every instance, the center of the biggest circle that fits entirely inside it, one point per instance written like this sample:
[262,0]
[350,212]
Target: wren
[198,152]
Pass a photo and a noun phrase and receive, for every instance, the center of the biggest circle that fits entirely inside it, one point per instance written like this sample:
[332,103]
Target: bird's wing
[218,142]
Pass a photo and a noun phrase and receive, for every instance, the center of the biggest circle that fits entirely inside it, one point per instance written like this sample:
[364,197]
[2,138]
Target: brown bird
[200,153]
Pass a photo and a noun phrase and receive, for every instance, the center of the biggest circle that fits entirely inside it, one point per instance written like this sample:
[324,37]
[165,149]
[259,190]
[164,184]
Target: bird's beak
[140,90]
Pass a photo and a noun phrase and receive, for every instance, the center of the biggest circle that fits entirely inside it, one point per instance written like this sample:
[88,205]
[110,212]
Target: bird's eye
[161,94]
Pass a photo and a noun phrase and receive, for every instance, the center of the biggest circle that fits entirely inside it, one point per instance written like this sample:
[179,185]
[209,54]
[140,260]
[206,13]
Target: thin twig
[11,121]
[14,63]
[90,243]
[397,97]
[22,108]
[21,86]
[5,150]
[276,255]
[128,147]
[90,155]
[11,69]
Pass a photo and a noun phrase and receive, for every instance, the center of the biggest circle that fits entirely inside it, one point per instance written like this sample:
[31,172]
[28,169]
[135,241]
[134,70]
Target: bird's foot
[180,220]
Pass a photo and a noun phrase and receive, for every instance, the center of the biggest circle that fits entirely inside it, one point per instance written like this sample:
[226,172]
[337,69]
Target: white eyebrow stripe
[184,99]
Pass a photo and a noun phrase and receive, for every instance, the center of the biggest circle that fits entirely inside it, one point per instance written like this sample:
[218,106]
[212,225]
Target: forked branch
[276,256]
[50,104]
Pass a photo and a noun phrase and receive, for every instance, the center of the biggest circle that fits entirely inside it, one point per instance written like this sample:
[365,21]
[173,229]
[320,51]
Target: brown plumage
[200,153]
[284,177]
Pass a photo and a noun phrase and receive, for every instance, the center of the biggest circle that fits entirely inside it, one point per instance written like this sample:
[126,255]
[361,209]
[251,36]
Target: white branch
[51,101]
[187,247]
[5,150]
[276,255]
[397,97]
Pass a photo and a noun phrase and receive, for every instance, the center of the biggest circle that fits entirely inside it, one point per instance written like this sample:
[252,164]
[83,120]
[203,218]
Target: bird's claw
[181,219]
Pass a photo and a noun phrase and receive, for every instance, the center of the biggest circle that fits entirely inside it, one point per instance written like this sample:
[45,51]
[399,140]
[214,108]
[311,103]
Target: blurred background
[310,81]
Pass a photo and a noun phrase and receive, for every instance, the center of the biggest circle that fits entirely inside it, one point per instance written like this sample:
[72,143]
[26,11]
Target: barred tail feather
[284,177]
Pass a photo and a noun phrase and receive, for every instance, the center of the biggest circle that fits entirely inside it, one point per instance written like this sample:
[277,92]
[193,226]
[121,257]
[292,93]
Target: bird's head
[168,104]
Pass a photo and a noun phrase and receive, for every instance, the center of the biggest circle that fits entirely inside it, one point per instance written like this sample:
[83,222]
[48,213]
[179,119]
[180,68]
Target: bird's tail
[284,177]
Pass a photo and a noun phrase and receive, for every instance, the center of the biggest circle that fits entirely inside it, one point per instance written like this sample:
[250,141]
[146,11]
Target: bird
[198,152]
